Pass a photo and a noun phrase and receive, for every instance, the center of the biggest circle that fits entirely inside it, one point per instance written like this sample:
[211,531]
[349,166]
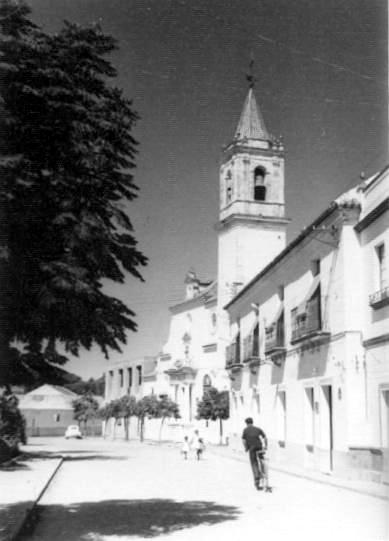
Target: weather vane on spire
[250,75]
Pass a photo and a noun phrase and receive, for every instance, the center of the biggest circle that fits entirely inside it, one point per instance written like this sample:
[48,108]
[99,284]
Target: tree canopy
[66,158]
[93,386]
[12,422]
[85,409]
[215,405]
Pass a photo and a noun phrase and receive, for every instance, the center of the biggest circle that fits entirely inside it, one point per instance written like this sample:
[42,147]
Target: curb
[337,483]
[28,517]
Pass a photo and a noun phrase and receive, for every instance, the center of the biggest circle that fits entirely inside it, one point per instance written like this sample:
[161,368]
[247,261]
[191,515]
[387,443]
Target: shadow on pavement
[69,458]
[13,465]
[68,454]
[10,515]
[146,518]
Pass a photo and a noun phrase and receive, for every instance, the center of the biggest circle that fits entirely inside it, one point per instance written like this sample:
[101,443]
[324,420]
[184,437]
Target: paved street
[118,491]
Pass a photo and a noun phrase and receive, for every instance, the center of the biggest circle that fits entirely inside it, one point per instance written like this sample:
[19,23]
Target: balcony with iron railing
[233,355]
[251,348]
[308,325]
[275,338]
[379,298]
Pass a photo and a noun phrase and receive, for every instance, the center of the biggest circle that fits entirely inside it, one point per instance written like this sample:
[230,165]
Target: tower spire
[251,124]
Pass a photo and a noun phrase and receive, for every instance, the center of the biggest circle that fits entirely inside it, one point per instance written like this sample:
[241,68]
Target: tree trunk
[160,428]
[114,429]
[125,421]
[221,430]
[142,426]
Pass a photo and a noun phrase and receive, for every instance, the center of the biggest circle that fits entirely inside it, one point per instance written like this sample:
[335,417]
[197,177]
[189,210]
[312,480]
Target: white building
[189,361]
[308,357]
[128,378]
[48,411]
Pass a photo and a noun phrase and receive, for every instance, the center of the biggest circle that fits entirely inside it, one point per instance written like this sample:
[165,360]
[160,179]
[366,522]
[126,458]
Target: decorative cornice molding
[373,215]
[209,348]
[376,340]
[248,218]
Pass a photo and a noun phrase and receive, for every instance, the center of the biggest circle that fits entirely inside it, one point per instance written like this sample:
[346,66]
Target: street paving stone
[114,491]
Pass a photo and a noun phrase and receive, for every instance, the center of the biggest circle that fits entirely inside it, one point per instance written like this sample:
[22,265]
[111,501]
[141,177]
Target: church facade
[251,230]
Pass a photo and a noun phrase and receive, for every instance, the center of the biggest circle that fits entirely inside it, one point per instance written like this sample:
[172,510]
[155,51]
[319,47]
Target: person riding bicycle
[255,443]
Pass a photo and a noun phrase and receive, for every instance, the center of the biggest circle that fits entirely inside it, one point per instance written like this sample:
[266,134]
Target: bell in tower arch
[259,184]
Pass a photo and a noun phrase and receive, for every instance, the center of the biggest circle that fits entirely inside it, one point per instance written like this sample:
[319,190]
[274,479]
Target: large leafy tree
[214,406]
[67,152]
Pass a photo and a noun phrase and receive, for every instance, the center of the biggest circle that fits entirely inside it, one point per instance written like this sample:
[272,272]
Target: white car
[73,431]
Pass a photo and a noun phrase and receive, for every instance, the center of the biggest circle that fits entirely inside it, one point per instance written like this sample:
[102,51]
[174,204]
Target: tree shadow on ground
[13,465]
[73,458]
[10,515]
[145,518]
[69,455]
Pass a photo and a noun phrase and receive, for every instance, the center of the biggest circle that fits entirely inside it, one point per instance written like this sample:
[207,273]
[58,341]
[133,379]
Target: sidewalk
[21,484]
[364,487]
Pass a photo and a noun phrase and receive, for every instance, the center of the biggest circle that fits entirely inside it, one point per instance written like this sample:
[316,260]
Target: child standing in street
[185,447]
[198,444]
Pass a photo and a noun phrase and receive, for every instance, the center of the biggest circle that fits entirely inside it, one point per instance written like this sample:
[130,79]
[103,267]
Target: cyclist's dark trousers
[253,454]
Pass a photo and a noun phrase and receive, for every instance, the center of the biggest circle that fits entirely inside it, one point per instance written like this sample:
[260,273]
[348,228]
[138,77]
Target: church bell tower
[252,223]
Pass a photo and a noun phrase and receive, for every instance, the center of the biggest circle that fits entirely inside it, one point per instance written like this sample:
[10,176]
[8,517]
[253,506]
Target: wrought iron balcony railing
[233,355]
[275,339]
[379,298]
[307,327]
[250,348]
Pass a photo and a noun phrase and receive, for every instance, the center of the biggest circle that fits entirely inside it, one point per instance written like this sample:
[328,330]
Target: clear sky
[321,68]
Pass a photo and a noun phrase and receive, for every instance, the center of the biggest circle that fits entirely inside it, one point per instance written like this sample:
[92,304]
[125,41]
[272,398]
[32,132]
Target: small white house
[48,410]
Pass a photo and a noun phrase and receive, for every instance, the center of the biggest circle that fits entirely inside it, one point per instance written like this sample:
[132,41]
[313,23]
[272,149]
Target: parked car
[73,431]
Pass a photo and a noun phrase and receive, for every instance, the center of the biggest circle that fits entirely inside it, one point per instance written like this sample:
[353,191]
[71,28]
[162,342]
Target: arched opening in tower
[259,184]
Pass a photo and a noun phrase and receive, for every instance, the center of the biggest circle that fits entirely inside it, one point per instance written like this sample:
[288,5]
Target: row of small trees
[148,407]
[214,406]
[86,408]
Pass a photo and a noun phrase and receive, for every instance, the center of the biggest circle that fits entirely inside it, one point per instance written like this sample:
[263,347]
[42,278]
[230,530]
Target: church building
[251,231]
[297,333]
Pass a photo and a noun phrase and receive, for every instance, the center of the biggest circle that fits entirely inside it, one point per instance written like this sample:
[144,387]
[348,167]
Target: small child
[185,447]
[197,444]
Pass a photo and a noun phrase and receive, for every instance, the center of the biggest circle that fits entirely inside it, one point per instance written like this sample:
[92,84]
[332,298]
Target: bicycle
[264,471]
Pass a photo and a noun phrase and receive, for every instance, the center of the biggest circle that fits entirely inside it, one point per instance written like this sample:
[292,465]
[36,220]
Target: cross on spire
[250,75]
